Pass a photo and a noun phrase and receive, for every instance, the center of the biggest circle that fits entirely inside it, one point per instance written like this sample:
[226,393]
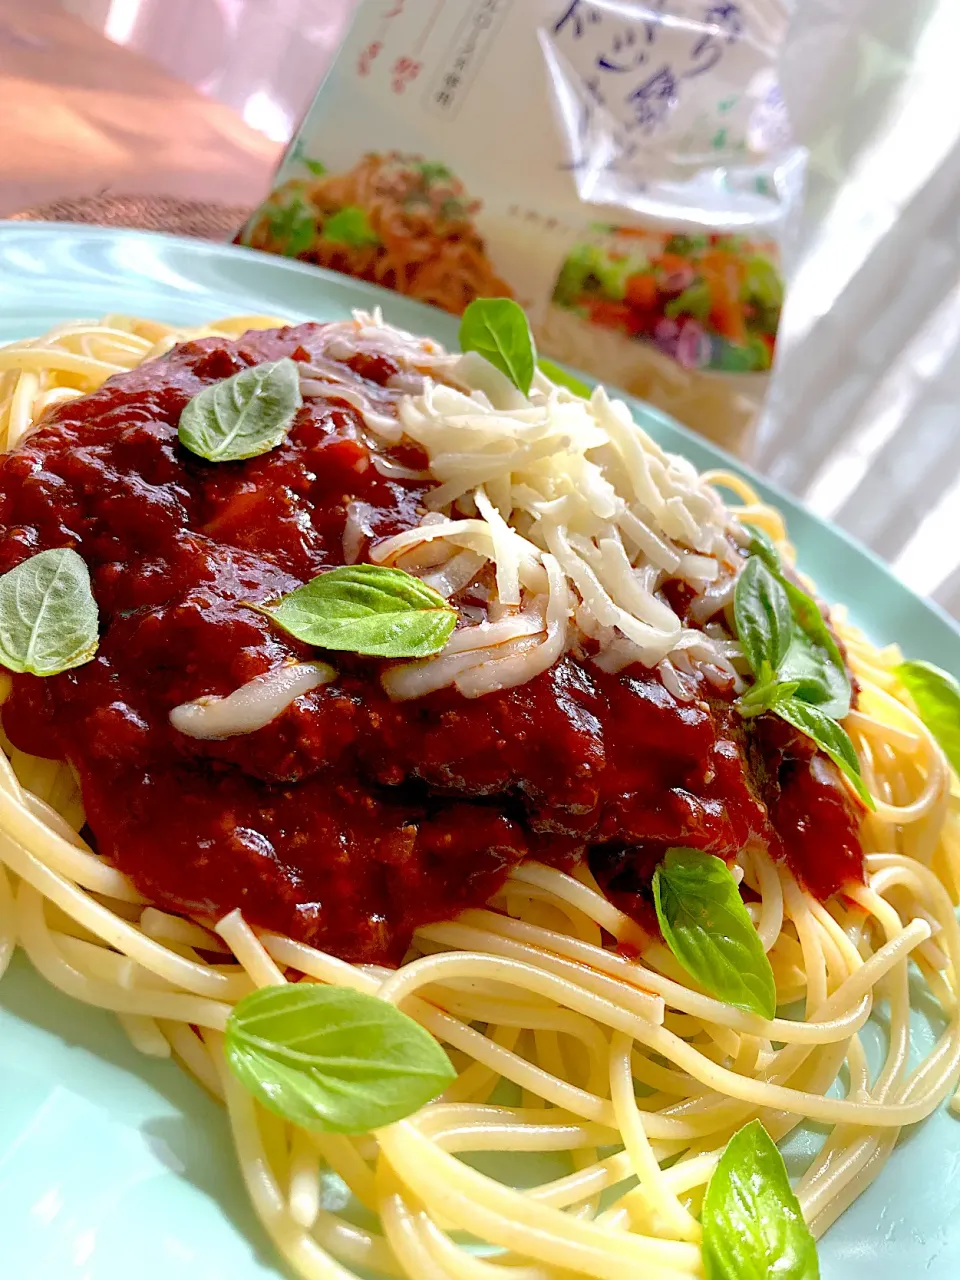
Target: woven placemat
[147,213]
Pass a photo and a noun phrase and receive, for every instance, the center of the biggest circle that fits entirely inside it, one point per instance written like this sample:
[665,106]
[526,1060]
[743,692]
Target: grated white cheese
[356,530]
[456,573]
[251,706]
[505,550]
[580,513]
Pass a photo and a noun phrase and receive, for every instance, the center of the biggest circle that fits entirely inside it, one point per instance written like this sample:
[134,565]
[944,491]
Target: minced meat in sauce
[349,819]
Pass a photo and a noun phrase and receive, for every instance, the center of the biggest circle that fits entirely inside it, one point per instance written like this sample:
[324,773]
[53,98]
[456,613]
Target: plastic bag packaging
[624,170]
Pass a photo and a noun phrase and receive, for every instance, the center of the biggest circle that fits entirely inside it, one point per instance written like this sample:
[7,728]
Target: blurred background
[264,58]
[194,99]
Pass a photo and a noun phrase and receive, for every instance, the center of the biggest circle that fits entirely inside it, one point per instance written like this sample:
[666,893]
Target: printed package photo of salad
[707,301]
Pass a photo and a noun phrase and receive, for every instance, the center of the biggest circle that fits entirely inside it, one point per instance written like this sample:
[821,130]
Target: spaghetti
[572,1030]
[395,220]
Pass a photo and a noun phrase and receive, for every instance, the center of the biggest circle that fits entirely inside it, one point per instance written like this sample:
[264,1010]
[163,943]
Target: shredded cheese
[581,516]
[251,706]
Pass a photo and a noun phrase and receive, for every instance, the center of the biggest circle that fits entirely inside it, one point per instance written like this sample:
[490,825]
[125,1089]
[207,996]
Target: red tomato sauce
[349,819]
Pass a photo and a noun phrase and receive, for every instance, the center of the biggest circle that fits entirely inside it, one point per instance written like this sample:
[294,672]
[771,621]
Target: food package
[623,169]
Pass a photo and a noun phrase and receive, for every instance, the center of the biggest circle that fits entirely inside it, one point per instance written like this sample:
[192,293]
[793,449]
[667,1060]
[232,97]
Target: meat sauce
[349,819]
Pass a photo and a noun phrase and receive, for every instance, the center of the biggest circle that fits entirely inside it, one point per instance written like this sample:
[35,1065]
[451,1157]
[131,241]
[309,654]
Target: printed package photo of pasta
[625,171]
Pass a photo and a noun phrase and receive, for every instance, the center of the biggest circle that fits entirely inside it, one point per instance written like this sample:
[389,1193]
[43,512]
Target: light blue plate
[114,1166]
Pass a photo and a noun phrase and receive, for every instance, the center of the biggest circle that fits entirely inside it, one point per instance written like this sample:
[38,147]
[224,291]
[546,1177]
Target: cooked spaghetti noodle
[565,1042]
[412,229]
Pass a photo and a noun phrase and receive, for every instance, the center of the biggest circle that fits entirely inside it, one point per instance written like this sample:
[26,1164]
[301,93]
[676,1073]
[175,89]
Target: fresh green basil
[762,545]
[333,1059]
[771,611]
[48,616]
[707,927]
[798,669]
[937,697]
[350,226]
[369,609]
[830,737]
[242,416]
[753,1227]
[765,695]
[813,659]
[497,329]
[564,379]
[763,617]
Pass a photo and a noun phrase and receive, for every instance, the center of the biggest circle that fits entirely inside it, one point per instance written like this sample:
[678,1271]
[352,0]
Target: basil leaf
[564,379]
[242,416]
[813,659]
[762,545]
[48,616]
[753,1228]
[937,696]
[497,329]
[763,618]
[763,696]
[350,226]
[830,737]
[333,1059]
[706,926]
[369,609]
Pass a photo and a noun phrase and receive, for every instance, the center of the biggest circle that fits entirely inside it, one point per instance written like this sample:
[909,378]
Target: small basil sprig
[763,617]
[242,416]
[48,616]
[753,1227]
[708,929]
[368,609]
[937,697]
[810,657]
[333,1059]
[798,669]
[497,329]
[813,659]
